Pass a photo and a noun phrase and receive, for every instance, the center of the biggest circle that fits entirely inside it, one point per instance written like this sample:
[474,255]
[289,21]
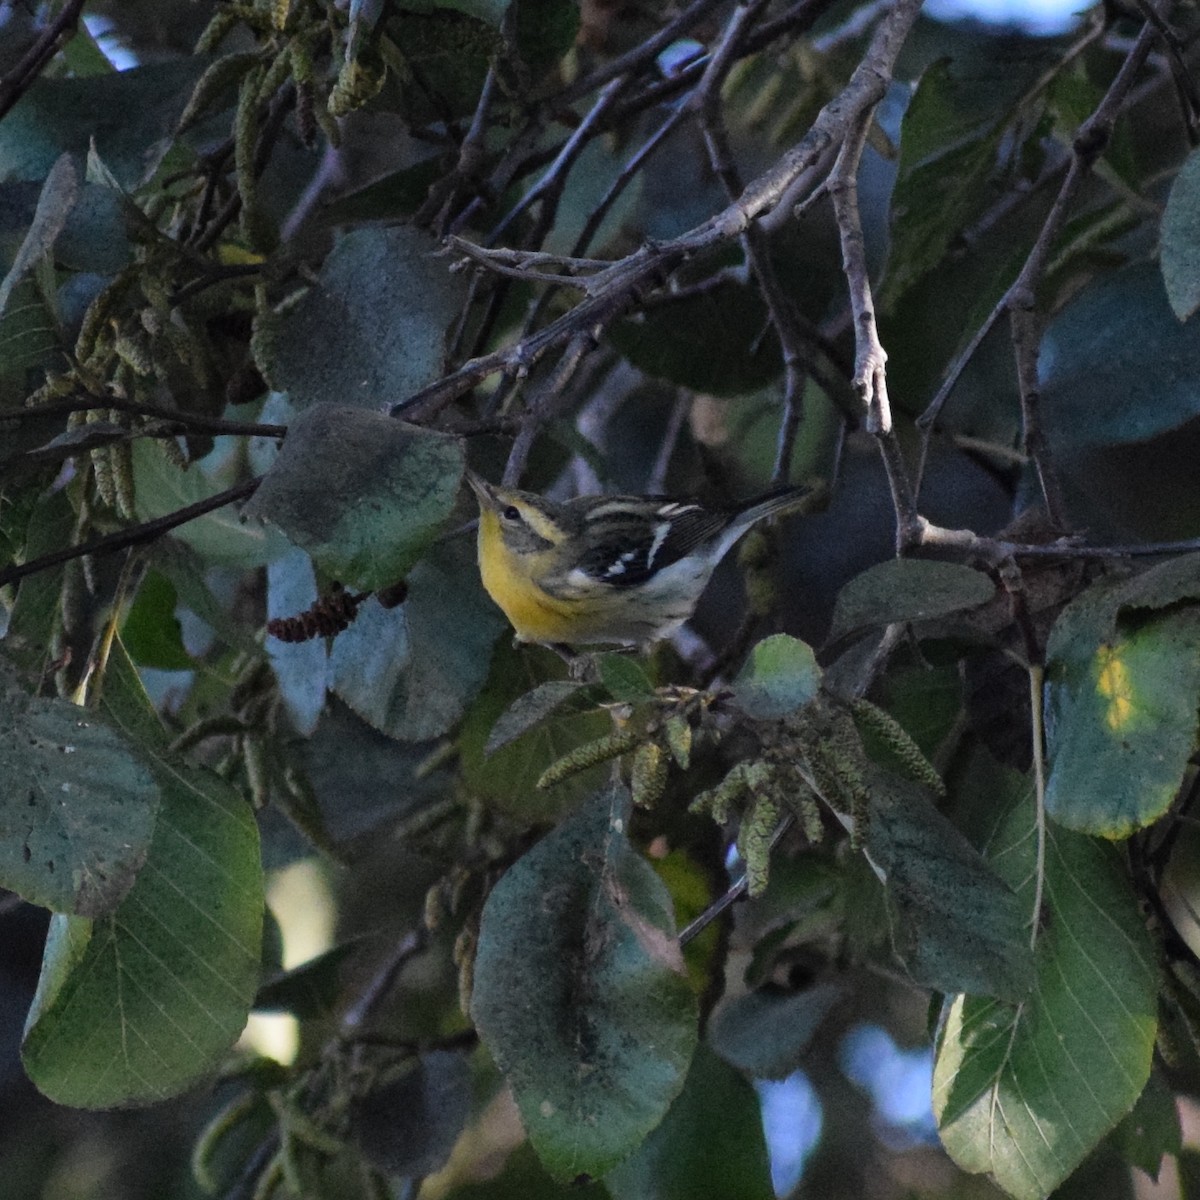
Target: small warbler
[618,569]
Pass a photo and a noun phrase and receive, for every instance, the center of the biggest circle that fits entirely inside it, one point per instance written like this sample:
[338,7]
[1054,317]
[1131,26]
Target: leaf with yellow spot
[1121,696]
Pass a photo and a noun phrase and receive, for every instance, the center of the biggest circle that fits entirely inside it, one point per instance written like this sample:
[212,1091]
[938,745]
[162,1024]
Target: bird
[617,570]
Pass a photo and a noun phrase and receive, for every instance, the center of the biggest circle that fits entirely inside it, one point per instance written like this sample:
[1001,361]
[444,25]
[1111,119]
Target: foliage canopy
[265,296]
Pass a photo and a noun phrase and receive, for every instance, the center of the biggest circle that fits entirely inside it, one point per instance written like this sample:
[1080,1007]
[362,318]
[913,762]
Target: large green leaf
[37,611]
[527,717]
[373,329]
[908,589]
[221,536]
[1121,699]
[1025,1092]
[410,671]
[128,116]
[956,924]
[581,994]
[140,1004]
[946,156]
[970,129]
[57,198]
[710,1143]
[1180,240]
[362,493]
[29,342]
[1151,361]
[78,804]
[720,342]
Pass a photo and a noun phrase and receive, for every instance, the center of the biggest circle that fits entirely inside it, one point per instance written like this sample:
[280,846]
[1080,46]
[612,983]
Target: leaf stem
[1037,675]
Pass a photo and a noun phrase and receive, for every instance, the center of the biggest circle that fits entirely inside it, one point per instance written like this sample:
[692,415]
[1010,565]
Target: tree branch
[614,287]
[148,531]
[35,60]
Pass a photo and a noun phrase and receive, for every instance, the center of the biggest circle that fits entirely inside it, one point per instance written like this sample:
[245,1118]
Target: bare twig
[618,283]
[796,347]
[870,358]
[136,535]
[548,190]
[1018,301]
[204,238]
[183,420]
[35,60]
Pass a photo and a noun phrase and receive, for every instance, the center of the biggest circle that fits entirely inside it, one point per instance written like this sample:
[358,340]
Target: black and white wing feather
[627,546]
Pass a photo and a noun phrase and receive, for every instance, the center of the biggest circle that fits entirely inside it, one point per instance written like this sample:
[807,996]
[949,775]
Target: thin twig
[641,55]
[34,61]
[272,126]
[1036,681]
[795,346]
[549,189]
[1018,301]
[134,536]
[870,358]
[619,282]
[187,421]
[733,893]
[357,1014]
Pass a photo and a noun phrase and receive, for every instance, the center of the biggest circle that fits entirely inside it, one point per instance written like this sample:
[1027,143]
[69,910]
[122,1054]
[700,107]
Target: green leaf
[505,776]
[362,493]
[491,11]
[129,115]
[767,1032]
[624,677]
[411,671]
[398,194]
[581,993]
[221,536]
[1152,1129]
[58,196]
[373,330]
[29,342]
[1120,707]
[407,1124]
[141,1004]
[947,153]
[78,808]
[438,59]
[37,610]
[780,676]
[524,1178]
[1150,360]
[721,342]
[529,710]
[907,589]
[956,925]
[709,1144]
[1180,240]
[1026,1092]
[151,631]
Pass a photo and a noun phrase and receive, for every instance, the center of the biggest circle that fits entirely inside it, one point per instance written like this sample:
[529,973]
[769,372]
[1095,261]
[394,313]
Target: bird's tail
[770,504]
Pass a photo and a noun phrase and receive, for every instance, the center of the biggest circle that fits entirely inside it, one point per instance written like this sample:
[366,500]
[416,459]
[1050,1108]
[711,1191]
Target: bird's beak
[482,490]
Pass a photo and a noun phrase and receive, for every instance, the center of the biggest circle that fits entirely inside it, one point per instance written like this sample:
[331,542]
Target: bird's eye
[512,513]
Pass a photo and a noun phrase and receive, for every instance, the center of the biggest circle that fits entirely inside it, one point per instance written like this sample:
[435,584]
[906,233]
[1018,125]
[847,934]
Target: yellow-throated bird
[617,569]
